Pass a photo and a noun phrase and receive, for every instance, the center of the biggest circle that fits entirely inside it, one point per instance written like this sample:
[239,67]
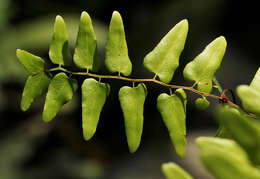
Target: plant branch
[153,80]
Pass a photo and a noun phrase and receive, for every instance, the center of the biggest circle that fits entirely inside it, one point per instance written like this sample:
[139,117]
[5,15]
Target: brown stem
[153,80]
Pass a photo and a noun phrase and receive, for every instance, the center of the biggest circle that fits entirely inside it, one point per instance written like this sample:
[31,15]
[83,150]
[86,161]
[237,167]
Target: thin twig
[153,80]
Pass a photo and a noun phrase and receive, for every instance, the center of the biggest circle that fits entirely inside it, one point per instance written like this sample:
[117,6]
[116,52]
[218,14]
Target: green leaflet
[117,59]
[85,55]
[225,159]
[33,64]
[60,91]
[243,129]
[94,96]
[250,95]
[173,111]
[35,86]
[59,52]
[173,171]
[203,67]
[132,104]
[256,81]
[250,98]
[202,103]
[163,60]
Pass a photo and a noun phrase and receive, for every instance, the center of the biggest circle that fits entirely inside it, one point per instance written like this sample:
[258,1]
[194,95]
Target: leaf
[203,67]
[173,171]
[60,91]
[85,55]
[94,96]
[173,111]
[117,59]
[250,98]
[59,52]
[225,159]
[163,60]
[256,81]
[33,64]
[242,129]
[202,103]
[35,86]
[132,104]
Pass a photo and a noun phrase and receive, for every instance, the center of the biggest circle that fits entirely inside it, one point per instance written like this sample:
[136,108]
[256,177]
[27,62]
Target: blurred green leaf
[59,52]
[250,95]
[164,58]
[173,111]
[85,55]
[225,159]
[173,171]
[250,98]
[256,81]
[203,67]
[243,129]
[117,59]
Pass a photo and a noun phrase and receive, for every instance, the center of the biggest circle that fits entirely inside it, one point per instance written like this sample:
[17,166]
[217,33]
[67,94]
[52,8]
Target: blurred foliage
[31,149]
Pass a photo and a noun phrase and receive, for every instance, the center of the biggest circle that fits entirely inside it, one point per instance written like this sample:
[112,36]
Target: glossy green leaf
[173,111]
[59,52]
[243,129]
[94,96]
[173,171]
[256,81]
[250,98]
[60,91]
[33,64]
[117,59]
[85,55]
[132,104]
[203,67]
[35,86]
[163,60]
[202,103]
[225,159]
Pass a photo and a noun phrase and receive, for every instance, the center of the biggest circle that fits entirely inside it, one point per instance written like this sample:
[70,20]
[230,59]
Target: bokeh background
[30,148]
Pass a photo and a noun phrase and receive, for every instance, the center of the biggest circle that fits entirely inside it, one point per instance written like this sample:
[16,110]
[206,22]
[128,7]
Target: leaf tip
[184,23]
[59,19]
[116,14]
[221,41]
[84,15]
[116,17]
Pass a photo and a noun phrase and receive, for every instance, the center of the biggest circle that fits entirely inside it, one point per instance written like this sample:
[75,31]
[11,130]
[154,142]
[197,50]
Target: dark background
[30,148]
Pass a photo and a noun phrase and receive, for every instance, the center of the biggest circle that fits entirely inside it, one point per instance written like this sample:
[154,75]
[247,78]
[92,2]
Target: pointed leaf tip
[203,67]
[59,52]
[32,63]
[250,98]
[255,83]
[117,59]
[163,60]
[85,55]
